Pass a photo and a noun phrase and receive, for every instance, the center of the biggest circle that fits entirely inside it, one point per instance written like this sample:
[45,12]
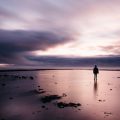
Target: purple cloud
[15,44]
[111,49]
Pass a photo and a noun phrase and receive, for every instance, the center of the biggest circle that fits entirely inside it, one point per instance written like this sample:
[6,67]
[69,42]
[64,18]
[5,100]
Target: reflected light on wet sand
[96,97]
[99,99]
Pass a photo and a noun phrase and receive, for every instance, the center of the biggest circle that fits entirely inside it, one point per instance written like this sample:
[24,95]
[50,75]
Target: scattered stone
[3,84]
[16,76]
[24,77]
[101,100]
[63,105]
[107,113]
[50,98]
[43,106]
[31,78]
[10,98]
[40,89]
[64,95]
[42,92]
[2,118]
[5,75]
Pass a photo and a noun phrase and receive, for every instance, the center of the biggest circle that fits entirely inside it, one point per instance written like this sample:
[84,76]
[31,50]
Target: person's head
[95,66]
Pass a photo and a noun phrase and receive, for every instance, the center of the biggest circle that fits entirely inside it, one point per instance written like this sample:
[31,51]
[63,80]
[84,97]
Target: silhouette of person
[95,71]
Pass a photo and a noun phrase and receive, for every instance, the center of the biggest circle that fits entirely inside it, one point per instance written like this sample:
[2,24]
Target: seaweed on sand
[50,98]
[63,105]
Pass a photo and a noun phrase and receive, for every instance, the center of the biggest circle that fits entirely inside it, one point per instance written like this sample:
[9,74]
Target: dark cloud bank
[109,61]
[16,48]
[15,45]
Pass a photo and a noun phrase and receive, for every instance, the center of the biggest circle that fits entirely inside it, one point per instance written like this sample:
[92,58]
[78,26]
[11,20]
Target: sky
[59,32]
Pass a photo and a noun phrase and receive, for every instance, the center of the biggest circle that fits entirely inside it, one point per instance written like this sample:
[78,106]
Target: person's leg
[96,76]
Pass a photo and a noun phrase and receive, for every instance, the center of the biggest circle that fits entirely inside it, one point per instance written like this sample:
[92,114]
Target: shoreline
[12,70]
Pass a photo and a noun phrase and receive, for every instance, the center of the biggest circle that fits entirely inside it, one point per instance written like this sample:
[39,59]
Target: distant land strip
[12,70]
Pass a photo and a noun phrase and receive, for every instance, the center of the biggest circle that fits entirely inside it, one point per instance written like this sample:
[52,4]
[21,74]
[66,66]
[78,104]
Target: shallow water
[99,100]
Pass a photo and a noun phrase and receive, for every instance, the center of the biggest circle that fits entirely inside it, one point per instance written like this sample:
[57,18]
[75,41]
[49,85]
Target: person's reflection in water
[95,87]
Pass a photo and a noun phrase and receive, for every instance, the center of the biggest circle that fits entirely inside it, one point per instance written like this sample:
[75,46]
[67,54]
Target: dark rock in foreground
[31,78]
[50,98]
[108,113]
[63,105]
[3,84]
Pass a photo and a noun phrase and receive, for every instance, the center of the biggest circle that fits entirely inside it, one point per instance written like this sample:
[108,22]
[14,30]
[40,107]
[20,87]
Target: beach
[59,95]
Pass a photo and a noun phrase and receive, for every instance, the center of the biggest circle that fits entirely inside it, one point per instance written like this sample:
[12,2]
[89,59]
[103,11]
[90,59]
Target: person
[95,71]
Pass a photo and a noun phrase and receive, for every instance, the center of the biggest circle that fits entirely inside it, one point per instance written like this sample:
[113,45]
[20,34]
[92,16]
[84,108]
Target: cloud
[61,14]
[44,24]
[113,49]
[14,45]
[59,61]
[6,14]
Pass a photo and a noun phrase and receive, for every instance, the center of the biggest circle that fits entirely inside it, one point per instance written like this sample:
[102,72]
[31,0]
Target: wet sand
[59,95]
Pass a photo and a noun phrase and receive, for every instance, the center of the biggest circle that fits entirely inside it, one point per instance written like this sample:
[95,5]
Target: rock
[3,84]
[31,78]
[62,104]
[109,113]
[24,77]
[43,106]
[50,98]
[40,89]
[64,95]
[2,119]
[16,76]
[101,100]
[10,98]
